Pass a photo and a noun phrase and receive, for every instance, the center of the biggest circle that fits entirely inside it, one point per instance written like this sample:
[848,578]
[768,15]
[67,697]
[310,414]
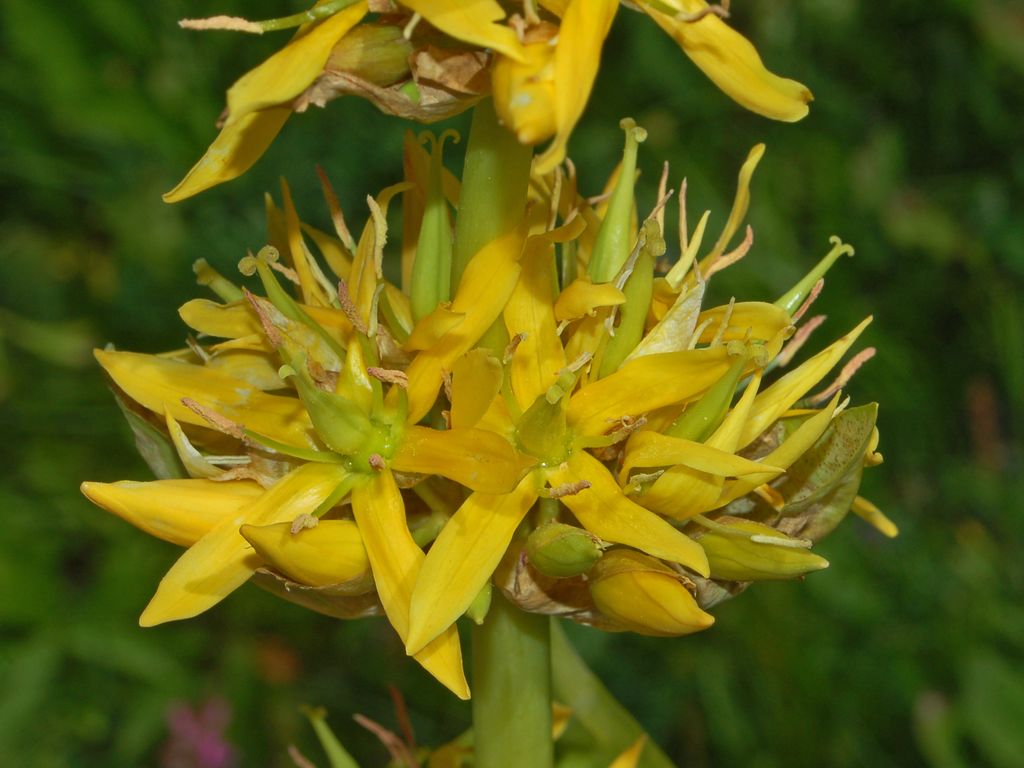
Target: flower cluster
[430,59]
[562,418]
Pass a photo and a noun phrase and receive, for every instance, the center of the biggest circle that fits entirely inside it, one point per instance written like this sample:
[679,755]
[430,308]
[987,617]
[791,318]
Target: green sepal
[613,243]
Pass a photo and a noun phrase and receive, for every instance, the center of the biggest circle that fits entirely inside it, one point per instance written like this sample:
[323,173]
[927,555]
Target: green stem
[512,689]
[495,180]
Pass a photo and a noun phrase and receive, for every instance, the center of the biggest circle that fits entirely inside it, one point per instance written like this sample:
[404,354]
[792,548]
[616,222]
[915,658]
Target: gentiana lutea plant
[539,417]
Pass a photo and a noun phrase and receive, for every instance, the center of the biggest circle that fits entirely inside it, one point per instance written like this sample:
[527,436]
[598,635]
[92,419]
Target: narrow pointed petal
[476,381]
[675,329]
[471,21]
[237,147]
[479,460]
[539,357]
[463,558]
[221,561]
[683,492]
[158,383]
[225,321]
[780,396]
[631,757]
[606,513]
[732,63]
[650,449]
[178,511]
[581,35]
[292,69]
[396,561]
[644,384]
[582,298]
[871,514]
[486,284]
[791,449]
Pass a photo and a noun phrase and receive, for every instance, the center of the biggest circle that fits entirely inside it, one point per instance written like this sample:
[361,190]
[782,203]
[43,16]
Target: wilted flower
[563,420]
[427,60]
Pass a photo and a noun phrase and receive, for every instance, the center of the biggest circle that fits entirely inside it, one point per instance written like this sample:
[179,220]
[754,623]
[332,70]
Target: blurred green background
[906,652]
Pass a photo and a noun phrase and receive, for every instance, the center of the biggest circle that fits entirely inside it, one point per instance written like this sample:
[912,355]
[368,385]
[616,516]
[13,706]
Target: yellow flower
[362,446]
[541,70]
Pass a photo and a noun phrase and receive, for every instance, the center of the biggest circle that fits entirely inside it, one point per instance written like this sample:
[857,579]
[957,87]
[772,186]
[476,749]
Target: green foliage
[905,652]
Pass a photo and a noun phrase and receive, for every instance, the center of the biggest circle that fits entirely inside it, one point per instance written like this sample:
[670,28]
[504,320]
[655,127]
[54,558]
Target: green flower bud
[561,551]
[614,240]
[755,552]
[377,53]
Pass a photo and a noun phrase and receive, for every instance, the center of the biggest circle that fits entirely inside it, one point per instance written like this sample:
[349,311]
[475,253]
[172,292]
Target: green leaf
[610,727]
[993,709]
[156,448]
[820,487]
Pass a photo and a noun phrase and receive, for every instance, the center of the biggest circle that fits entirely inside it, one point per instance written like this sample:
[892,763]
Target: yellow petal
[651,449]
[178,511]
[631,757]
[644,384]
[221,561]
[539,357]
[674,330]
[482,461]
[777,399]
[645,596]
[432,328]
[871,514]
[299,256]
[682,492]
[332,249]
[232,153]
[225,321]
[488,281]
[582,298]
[606,513]
[157,383]
[471,21]
[476,381]
[396,561]
[463,558]
[331,552]
[291,70]
[759,319]
[194,462]
[731,62]
[581,35]
[791,449]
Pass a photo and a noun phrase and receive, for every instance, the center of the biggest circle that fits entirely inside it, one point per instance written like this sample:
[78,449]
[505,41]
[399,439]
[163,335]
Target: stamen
[814,294]
[721,11]
[567,489]
[302,522]
[844,376]
[376,461]
[218,422]
[513,345]
[411,26]
[337,216]
[349,308]
[288,272]
[799,339]
[727,260]
[397,748]
[389,376]
[269,329]
[224,23]
[237,24]
[724,325]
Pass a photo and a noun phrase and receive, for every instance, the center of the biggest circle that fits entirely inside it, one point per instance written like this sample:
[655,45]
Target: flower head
[563,420]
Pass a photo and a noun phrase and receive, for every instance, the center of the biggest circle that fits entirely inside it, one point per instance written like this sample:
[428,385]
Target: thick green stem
[494,184]
[512,689]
